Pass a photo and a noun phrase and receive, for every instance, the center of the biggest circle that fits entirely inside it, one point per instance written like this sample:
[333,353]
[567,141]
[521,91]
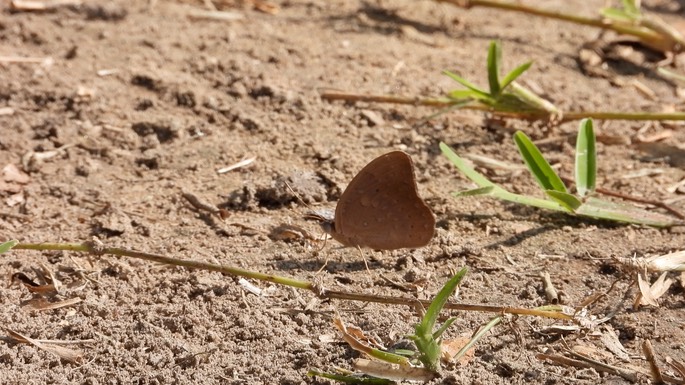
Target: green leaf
[467,84]
[7,246]
[428,346]
[476,191]
[495,190]
[569,201]
[388,356]
[531,100]
[631,7]
[350,378]
[546,176]
[453,105]
[465,167]
[431,316]
[477,336]
[515,73]
[616,14]
[443,327]
[465,94]
[586,159]
[494,58]
[621,212]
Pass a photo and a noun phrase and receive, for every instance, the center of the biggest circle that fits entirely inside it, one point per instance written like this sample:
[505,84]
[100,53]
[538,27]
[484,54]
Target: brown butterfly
[381,208]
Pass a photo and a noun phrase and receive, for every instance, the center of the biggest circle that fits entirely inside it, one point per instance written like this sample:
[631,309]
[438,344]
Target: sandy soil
[140,104]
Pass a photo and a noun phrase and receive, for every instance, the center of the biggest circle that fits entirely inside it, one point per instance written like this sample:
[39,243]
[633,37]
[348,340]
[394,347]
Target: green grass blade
[431,316]
[620,212]
[616,14]
[388,357]
[454,105]
[465,94]
[465,167]
[443,327]
[513,75]
[7,246]
[631,7]
[474,192]
[467,84]
[494,58]
[428,346]
[586,159]
[477,336]
[546,176]
[546,204]
[489,188]
[565,199]
[531,100]
[349,379]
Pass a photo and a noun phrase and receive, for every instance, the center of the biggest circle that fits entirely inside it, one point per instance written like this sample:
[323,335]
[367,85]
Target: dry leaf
[43,304]
[612,343]
[656,290]
[266,7]
[350,336]
[71,355]
[592,352]
[668,262]
[661,286]
[677,366]
[645,297]
[360,335]
[450,348]
[287,233]
[393,372]
[32,286]
[50,278]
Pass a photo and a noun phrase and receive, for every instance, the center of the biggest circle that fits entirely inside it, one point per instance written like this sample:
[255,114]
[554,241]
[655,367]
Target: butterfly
[381,208]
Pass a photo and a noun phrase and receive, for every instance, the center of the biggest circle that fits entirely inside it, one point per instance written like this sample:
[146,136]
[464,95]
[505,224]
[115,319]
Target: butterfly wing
[381,208]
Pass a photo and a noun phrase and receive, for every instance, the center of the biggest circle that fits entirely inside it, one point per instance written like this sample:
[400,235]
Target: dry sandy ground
[180,98]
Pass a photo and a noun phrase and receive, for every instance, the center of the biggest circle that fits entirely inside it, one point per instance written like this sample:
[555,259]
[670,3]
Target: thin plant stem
[321,292]
[602,23]
[527,115]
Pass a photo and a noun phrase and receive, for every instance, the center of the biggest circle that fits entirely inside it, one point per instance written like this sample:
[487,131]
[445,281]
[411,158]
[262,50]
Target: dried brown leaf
[677,366]
[32,286]
[654,291]
[67,354]
[50,278]
[612,343]
[592,352]
[452,346]
[266,7]
[646,297]
[393,372]
[667,262]
[43,304]
[661,286]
